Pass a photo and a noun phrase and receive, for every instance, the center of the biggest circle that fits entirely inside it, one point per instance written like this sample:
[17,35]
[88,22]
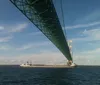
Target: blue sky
[20,40]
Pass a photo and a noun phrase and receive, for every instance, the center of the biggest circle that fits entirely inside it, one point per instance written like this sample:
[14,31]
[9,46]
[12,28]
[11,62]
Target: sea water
[81,75]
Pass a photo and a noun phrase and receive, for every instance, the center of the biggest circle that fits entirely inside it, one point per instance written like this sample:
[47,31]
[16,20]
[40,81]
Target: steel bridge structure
[43,15]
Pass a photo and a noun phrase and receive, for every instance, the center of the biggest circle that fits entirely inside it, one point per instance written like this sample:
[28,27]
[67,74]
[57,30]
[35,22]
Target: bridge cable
[64,23]
[63,19]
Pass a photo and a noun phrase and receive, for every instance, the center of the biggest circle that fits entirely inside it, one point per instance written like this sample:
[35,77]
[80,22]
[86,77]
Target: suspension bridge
[43,15]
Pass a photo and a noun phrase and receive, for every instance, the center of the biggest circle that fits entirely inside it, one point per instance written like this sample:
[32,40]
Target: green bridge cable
[63,19]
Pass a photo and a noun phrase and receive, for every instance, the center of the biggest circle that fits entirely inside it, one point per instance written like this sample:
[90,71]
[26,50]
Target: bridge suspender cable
[63,18]
[64,26]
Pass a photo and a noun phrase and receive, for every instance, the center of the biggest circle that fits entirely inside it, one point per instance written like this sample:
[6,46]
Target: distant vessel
[26,64]
[47,66]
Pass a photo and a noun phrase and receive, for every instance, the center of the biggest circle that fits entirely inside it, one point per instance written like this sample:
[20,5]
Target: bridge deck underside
[42,14]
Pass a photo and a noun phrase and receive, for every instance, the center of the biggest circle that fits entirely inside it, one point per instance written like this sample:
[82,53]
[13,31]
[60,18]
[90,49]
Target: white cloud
[89,35]
[34,45]
[83,25]
[7,30]
[18,28]
[88,57]
[1,28]
[41,58]
[3,48]
[13,28]
[92,52]
[44,57]
[6,47]
[5,39]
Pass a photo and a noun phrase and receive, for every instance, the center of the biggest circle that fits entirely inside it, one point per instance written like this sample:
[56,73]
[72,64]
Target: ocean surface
[82,75]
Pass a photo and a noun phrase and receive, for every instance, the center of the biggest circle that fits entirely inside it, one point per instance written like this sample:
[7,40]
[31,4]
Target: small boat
[26,64]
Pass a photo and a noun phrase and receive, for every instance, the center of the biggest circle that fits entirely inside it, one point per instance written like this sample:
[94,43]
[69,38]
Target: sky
[21,41]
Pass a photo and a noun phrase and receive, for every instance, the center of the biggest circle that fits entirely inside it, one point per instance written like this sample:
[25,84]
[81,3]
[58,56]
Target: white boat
[25,65]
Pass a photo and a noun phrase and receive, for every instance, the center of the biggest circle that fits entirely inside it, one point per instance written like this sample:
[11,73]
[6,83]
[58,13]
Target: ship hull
[47,66]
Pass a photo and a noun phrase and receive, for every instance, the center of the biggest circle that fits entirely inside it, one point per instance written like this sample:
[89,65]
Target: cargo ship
[47,66]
